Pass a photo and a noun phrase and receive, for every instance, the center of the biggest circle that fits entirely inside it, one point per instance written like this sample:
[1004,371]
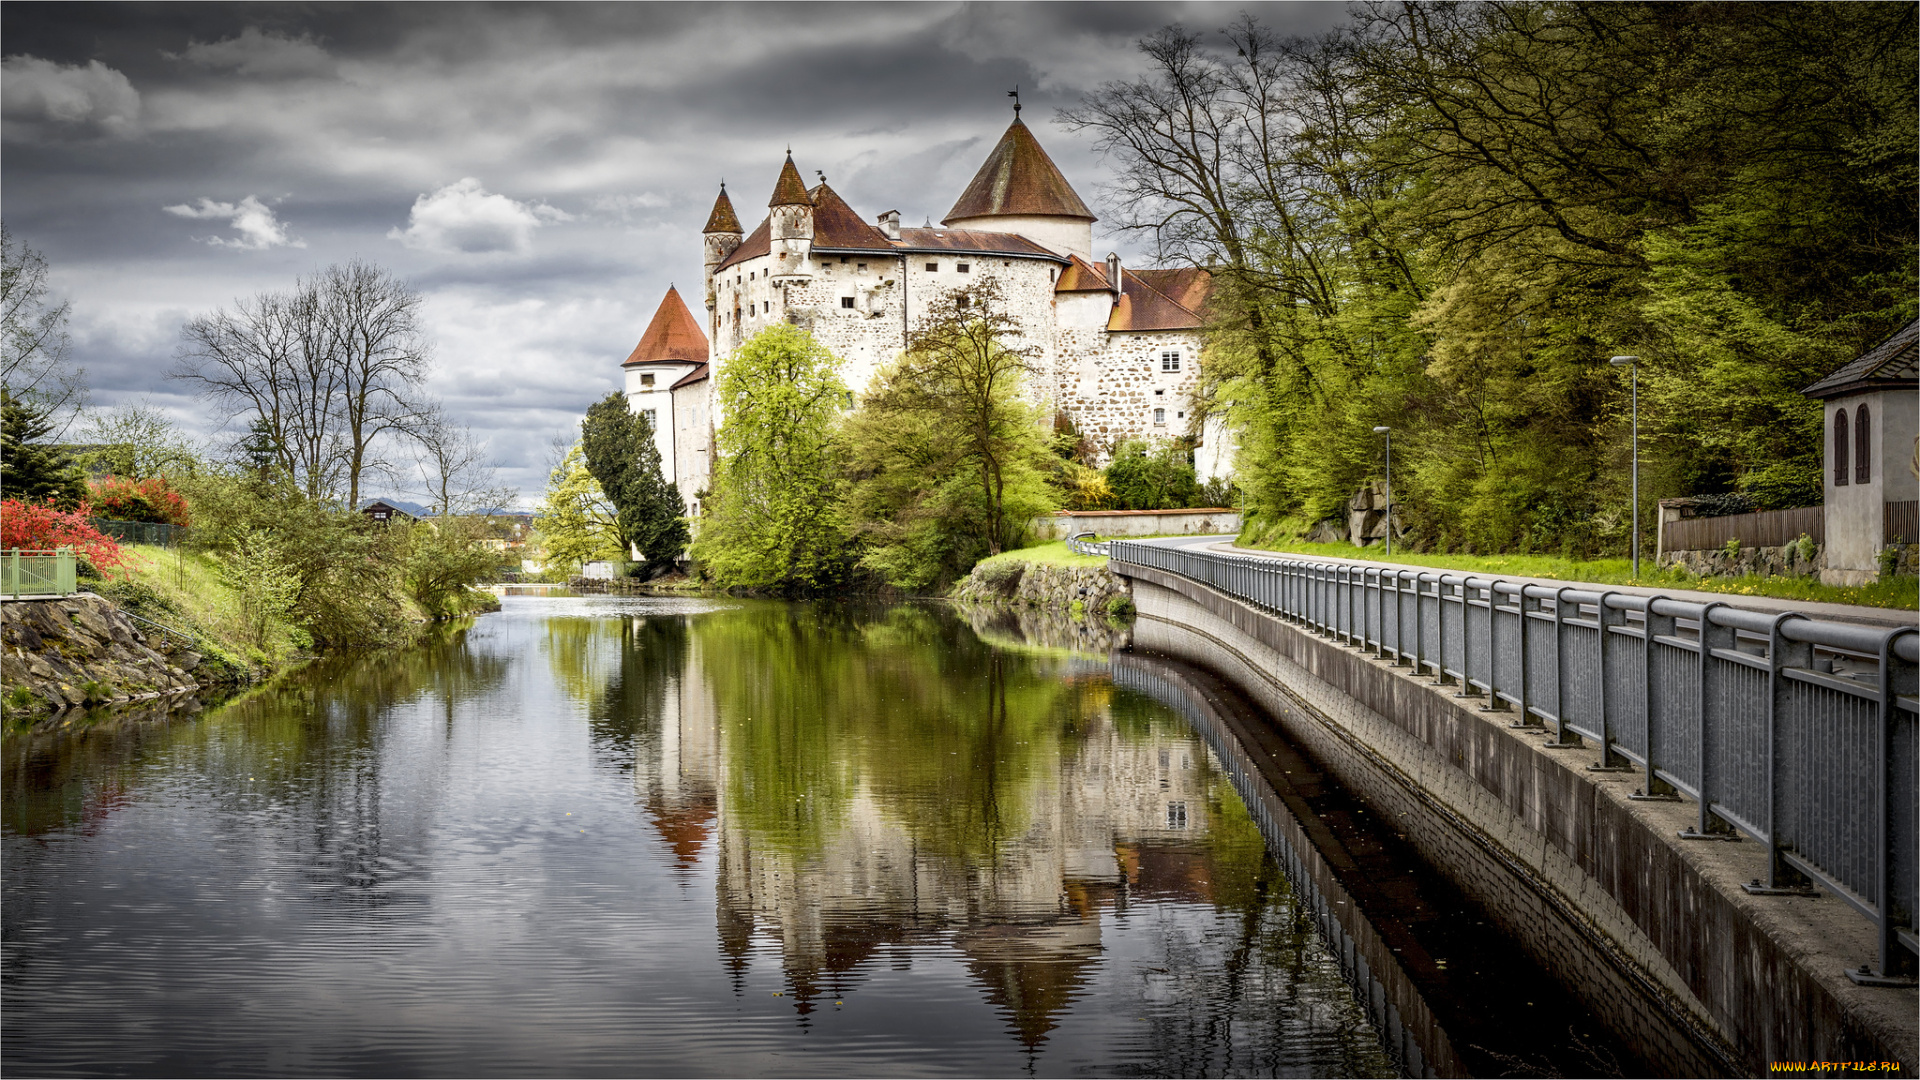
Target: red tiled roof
[1019,178]
[789,190]
[690,377]
[969,240]
[759,242]
[835,225]
[1082,276]
[1160,300]
[673,335]
[723,219]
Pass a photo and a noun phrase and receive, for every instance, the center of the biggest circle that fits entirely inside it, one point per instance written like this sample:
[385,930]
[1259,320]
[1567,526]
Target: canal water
[641,836]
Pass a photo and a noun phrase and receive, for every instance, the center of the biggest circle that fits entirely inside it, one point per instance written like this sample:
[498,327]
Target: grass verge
[1056,553]
[1901,593]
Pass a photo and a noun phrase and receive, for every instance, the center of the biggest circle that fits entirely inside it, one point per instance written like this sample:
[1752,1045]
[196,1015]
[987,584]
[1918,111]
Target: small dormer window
[961,268]
[862,267]
[843,260]
[646,380]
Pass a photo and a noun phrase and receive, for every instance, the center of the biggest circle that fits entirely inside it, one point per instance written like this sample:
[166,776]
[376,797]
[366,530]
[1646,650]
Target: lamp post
[1632,364]
[1388,432]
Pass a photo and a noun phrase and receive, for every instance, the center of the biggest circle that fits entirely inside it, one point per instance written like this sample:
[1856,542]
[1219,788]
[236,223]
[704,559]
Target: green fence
[141,532]
[37,573]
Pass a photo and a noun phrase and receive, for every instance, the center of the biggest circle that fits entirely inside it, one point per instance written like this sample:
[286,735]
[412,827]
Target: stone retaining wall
[1652,932]
[1043,585]
[82,650]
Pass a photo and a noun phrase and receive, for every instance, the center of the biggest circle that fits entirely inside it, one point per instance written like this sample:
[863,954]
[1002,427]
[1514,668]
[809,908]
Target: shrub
[1152,476]
[1002,575]
[153,500]
[42,527]
[1120,607]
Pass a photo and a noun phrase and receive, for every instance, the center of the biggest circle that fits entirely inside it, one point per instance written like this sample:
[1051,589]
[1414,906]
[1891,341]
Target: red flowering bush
[41,527]
[153,499]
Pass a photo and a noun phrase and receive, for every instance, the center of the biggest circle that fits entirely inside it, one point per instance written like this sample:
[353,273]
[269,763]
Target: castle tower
[790,213]
[722,236]
[1020,190]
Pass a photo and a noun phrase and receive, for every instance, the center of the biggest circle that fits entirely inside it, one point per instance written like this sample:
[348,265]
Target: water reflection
[669,838]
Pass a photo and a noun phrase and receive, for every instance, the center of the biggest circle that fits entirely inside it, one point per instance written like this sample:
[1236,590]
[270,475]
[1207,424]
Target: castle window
[846,301]
[933,268]
[1170,361]
[843,260]
[962,300]
[1160,417]
[646,380]
[1841,443]
[766,306]
[1159,393]
[1177,815]
[652,416]
[1863,446]
[862,267]
[961,268]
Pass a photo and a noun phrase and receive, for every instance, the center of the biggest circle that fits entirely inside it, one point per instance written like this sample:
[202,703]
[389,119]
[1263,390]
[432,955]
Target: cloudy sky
[540,172]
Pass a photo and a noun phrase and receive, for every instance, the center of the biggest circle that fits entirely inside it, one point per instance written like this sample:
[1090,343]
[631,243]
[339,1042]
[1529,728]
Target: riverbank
[1050,577]
[168,623]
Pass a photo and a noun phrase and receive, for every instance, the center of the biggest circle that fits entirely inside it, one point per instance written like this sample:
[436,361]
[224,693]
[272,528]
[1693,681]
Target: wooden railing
[1903,522]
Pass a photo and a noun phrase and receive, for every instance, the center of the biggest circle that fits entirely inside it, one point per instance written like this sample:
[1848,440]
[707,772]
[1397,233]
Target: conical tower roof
[1018,178]
[672,337]
[790,190]
[723,219]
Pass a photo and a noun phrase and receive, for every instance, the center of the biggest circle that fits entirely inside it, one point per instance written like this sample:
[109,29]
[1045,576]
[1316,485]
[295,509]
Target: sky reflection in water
[666,838]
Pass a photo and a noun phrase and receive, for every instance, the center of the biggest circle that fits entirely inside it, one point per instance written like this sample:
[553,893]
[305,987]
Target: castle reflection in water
[1005,810]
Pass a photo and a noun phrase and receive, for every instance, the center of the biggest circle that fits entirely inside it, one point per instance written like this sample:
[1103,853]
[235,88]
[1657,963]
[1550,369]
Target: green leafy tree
[773,520]
[576,522]
[952,458]
[441,560]
[620,452]
[32,468]
[1156,475]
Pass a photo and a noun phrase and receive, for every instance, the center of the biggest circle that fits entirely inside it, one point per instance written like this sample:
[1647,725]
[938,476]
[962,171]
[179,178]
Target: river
[674,837]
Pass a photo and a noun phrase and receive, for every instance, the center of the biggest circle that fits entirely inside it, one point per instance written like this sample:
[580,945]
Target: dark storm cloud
[541,172]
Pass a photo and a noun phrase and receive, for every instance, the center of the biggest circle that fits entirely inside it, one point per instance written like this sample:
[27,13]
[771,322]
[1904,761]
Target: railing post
[1896,964]
[1652,701]
[1562,738]
[1709,827]
[1492,704]
[1527,719]
[1781,654]
[1610,759]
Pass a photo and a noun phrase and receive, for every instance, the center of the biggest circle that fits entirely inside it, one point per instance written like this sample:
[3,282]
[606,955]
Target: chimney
[890,224]
[1113,274]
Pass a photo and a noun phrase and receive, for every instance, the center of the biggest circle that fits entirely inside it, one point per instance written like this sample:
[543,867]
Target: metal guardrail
[1085,544]
[1800,733]
[38,573]
[158,534]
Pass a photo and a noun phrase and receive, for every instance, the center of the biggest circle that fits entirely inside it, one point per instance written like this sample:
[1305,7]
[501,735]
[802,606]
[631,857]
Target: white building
[1872,456]
[1118,347]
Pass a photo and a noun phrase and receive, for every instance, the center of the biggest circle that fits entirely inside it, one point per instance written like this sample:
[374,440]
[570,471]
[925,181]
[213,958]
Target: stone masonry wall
[1043,585]
[82,650]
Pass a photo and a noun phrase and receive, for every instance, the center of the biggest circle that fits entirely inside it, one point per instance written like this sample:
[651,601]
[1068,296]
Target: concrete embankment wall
[1651,931]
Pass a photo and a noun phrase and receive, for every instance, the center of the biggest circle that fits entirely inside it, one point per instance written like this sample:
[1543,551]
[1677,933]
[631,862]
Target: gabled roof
[977,241]
[1160,300]
[836,226]
[672,337]
[723,219]
[1019,178]
[1892,364]
[1082,276]
[759,242]
[789,190]
[694,376]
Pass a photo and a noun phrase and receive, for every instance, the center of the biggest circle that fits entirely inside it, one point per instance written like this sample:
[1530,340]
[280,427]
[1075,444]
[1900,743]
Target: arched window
[1863,446]
[1841,444]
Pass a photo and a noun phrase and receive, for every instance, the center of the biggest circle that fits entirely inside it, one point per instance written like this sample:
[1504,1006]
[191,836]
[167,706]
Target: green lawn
[1902,593]
[1056,553]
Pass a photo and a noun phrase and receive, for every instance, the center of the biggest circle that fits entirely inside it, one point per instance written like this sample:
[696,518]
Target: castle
[1117,348]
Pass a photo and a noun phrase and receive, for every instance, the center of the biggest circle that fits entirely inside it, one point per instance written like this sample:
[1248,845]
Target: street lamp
[1632,364]
[1388,432]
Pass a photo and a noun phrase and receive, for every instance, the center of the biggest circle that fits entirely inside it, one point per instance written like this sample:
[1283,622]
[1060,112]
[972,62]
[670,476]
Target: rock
[1328,531]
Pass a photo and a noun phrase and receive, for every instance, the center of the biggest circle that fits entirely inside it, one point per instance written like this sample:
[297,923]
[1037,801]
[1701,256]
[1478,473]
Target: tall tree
[576,522]
[623,456]
[35,366]
[32,467]
[773,518]
[452,469]
[333,369]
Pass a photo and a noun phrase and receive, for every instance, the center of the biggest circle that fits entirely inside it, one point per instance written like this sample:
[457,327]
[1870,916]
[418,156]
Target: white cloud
[465,218]
[42,91]
[254,220]
[260,52]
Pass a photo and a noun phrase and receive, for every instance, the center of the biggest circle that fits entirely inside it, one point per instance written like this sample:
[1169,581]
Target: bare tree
[454,473]
[34,361]
[329,370]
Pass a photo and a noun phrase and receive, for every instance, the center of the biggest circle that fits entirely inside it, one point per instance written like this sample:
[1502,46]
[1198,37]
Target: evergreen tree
[624,459]
[31,468]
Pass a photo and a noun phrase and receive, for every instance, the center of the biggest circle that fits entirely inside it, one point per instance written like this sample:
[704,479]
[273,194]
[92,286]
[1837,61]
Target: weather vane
[1015,95]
